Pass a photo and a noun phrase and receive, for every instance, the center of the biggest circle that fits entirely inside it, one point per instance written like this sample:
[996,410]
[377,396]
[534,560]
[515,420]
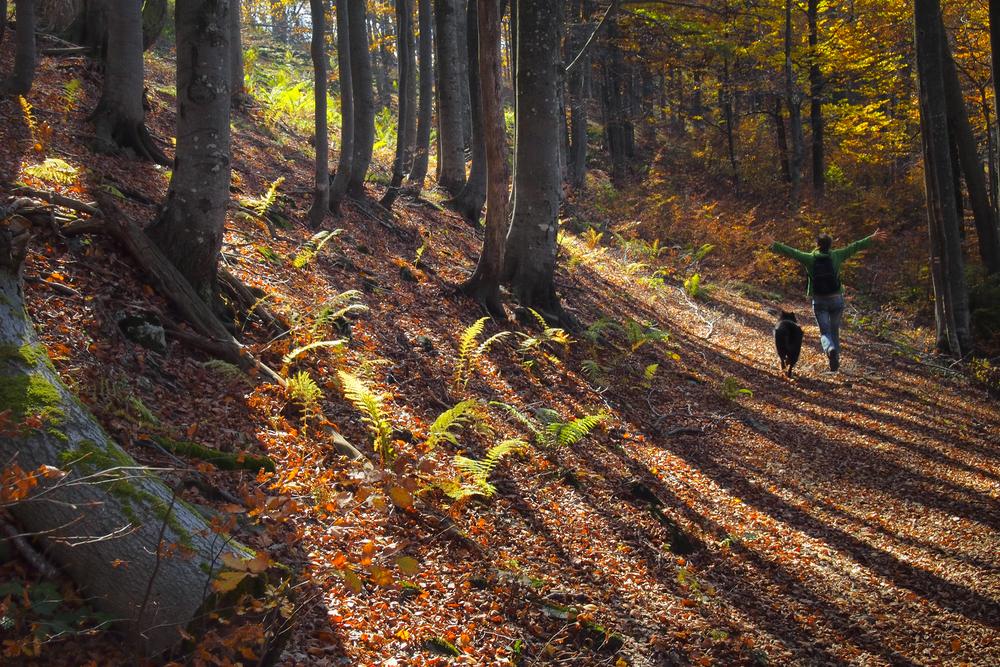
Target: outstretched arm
[861,244]
[789,251]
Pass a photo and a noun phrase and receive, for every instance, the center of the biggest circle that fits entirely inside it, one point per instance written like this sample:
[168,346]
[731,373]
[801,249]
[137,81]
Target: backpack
[825,280]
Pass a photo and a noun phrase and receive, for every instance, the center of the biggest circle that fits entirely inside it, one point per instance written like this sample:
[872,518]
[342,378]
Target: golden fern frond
[478,471]
[485,346]
[288,358]
[372,412]
[518,416]
[449,421]
[566,434]
[538,318]
[467,344]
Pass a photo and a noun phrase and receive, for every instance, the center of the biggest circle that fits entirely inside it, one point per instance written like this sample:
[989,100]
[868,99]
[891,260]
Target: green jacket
[807,259]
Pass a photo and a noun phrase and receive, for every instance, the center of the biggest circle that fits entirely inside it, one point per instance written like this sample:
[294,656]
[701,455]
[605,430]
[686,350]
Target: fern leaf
[566,434]
[449,421]
[485,346]
[288,358]
[538,318]
[518,416]
[373,414]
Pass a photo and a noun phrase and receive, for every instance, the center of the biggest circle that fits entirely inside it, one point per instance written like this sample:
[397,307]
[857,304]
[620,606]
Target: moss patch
[32,355]
[30,394]
[221,460]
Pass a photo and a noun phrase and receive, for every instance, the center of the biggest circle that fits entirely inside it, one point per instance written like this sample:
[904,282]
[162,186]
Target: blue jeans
[829,311]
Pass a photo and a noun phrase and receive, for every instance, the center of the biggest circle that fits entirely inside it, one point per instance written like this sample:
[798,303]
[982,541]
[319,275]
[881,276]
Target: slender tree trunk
[119,118]
[189,231]
[364,97]
[972,169]
[424,114]
[406,110]
[578,115]
[816,100]
[279,22]
[344,165]
[237,81]
[19,82]
[3,19]
[469,203]
[729,116]
[779,127]
[484,285]
[381,64]
[530,259]
[464,73]
[614,97]
[995,136]
[410,132]
[321,198]
[794,111]
[947,263]
[451,158]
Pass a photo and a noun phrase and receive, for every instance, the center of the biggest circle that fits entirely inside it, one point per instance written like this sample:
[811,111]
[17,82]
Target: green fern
[566,434]
[592,370]
[338,308]
[369,404]
[53,170]
[648,374]
[224,369]
[470,350]
[475,473]
[519,417]
[639,334]
[313,246]
[530,344]
[302,389]
[290,357]
[263,204]
[71,95]
[444,427]
[692,286]
[732,389]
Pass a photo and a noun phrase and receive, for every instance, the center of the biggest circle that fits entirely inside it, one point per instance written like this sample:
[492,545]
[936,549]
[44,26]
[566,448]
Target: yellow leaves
[226,582]
[401,497]
[239,569]
[408,566]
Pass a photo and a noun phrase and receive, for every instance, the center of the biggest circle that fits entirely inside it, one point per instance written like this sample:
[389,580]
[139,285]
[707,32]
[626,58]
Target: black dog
[788,341]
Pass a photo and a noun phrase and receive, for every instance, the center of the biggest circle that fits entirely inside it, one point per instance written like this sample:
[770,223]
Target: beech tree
[451,155]
[19,81]
[421,150]
[469,202]
[189,230]
[321,198]
[364,97]
[404,148]
[338,188]
[119,118]
[530,254]
[237,79]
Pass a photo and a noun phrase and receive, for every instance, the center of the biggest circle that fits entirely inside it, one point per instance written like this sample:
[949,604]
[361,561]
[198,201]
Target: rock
[145,329]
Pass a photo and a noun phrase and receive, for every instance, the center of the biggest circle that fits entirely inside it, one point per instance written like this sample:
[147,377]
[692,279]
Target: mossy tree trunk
[139,553]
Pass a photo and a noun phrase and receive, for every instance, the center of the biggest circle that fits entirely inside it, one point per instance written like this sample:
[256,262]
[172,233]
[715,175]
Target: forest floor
[722,514]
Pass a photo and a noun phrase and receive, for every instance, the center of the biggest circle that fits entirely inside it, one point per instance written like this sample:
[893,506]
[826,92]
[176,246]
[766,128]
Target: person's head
[824,242]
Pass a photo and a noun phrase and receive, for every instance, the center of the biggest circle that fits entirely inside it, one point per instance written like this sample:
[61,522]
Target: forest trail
[834,519]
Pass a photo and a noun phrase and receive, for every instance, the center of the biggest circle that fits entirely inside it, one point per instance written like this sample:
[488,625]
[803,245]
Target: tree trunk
[381,64]
[794,111]
[464,71]
[995,137]
[339,187]
[782,139]
[947,263]
[578,113]
[418,172]
[484,285]
[816,100]
[530,257]
[364,97]
[171,552]
[237,82]
[614,96]
[972,169]
[403,149]
[3,19]
[469,203]
[189,231]
[451,157]
[19,82]
[410,133]
[729,116]
[321,199]
[119,118]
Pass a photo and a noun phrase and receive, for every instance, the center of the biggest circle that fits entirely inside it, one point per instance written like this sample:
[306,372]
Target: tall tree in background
[794,110]
[237,80]
[364,97]
[951,299]
[484,285]
[421,151]
[469,202]
[816,99]
[995,62]
[530,254]
[321,198]
[338,189]
[189,231]
[19,81]
[404,148]
[451,156]
[119,118]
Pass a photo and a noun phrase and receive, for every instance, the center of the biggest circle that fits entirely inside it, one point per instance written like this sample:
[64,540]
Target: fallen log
[140,553]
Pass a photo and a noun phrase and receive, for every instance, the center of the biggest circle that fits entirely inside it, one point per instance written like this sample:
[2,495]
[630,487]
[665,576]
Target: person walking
[823,269]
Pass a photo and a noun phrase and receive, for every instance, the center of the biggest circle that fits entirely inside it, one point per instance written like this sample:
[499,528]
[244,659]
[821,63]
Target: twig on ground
[34,558]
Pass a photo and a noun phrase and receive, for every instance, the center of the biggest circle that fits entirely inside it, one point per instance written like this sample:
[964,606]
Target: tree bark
[381,64]
[995,136]
[451,157]
[578,112]
[364,97]
[418,171]
[469,202]
[403,149]
[464,71]
[816,100]
[947,263]
[237,81]
[530,254]
[171,552]
[321,197]
[782,140]
[189,231]
[119,118]
[20,80]
[484,285]
[968,155]
[614,95]
[794,111]
[410,133]
[344,165]
[3,19]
